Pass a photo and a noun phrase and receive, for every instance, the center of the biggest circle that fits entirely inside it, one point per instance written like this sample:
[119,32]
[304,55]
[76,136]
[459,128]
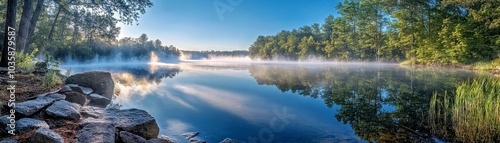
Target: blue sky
[197,25]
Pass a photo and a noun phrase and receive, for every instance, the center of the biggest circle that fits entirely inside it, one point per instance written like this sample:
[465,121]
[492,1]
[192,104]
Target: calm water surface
[283,102]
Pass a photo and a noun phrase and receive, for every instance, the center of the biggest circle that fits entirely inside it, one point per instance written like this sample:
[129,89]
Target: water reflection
[381,103]
[376,102]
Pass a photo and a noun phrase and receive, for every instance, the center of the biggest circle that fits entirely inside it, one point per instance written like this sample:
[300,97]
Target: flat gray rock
[97,133]
[76,97]
[127,137]
[64,109]
[45,135]
[27,124]
[65,89]
[136,121]
[8,141]
[4,120]
[56,96]
[93,112]
[30,107]
[98,100]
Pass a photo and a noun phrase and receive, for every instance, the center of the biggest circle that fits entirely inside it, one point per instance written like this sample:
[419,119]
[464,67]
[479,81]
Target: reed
[474,111]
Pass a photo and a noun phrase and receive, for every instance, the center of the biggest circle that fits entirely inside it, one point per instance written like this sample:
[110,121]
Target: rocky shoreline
[77,113]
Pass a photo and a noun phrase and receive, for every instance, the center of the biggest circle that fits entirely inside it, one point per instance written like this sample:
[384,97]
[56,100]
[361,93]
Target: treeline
[198,55]
[124,49]
[80,29]
[444,32]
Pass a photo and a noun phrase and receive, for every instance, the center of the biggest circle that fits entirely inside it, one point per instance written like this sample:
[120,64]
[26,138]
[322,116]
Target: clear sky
[198,25]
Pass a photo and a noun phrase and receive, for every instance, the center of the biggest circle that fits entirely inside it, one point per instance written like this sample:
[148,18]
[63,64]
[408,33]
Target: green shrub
[487,65]
[50,79]
[26,61]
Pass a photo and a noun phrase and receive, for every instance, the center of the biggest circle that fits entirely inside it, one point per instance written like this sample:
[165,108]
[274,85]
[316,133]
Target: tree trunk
[24,25]
[54,23]
[10,21]
[34,20]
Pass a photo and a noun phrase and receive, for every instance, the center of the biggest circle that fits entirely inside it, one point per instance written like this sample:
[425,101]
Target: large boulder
[98,100]
[82,90]
[103,132]
[101,82]
[76,97]
[136,121]
[127,137]
[27,124]
[30,107]
[64,109]
[45,135]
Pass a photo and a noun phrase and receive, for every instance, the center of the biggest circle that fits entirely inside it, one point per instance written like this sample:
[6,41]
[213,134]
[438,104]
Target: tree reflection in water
[382,103]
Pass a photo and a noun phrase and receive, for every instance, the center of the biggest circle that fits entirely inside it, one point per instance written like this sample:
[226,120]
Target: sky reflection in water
[237,100]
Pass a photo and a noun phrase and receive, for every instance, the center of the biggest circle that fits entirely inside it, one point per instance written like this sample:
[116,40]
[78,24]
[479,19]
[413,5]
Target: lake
[284,101]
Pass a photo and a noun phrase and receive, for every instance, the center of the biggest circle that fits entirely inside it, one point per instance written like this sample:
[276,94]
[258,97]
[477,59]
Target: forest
[426,32]
[79,30]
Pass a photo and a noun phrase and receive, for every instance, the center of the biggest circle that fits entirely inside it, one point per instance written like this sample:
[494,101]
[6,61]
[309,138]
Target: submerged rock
[27,124]
[98,100]
[45,135]
[228,140]
[64,109]
[190,135]
[127,137]
[97,133]
[196,140]
[76,97]
[101,82]
[30,107]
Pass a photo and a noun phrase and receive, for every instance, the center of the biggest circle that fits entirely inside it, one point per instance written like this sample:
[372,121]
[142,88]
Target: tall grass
[474,111]
[495,64]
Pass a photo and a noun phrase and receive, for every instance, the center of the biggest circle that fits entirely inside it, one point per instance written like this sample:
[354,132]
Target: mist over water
[332,101]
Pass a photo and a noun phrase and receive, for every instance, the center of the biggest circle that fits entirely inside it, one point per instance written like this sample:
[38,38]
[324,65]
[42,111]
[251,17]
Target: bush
[50,79]
[26,61]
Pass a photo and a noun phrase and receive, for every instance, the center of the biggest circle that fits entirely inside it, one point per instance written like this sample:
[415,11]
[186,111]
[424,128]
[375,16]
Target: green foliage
[50,79]
[449,32]
[493,65]
[26,61]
